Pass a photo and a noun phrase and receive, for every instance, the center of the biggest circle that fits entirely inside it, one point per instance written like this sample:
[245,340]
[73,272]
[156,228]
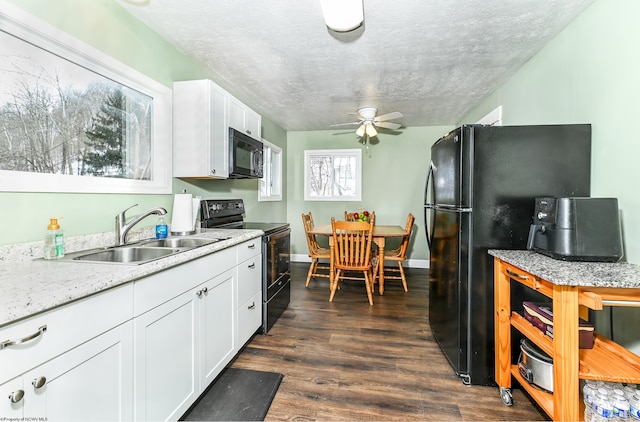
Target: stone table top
[593,274]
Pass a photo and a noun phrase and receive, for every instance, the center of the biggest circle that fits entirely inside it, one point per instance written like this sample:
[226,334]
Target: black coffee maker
[577,229]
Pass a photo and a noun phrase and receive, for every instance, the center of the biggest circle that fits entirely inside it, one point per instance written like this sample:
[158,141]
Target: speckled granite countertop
[30,286]
[594,274]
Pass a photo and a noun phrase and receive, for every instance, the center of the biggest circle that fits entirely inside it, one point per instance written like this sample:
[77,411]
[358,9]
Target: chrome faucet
[122,227]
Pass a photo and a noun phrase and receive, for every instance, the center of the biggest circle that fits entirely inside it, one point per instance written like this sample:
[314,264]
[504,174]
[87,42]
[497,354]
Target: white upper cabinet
[244,119]
[202,115]
[200,134]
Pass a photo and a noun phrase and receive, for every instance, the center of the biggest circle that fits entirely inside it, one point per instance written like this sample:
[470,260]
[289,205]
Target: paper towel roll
[182,216]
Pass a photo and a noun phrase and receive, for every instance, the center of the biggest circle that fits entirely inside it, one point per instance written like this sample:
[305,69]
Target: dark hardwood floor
[347,360]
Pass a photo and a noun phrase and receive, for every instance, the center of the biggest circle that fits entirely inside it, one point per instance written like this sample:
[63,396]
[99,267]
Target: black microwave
[245,156]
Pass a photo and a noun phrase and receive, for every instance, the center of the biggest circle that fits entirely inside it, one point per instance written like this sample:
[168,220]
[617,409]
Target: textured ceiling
[431,60]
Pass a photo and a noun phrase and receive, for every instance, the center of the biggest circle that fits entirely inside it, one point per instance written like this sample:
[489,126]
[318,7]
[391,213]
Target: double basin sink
[141,252]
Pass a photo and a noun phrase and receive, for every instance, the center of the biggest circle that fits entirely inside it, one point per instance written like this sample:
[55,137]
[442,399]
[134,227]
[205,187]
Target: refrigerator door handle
[446,207]
[428,188]
[428,229]
[428,185]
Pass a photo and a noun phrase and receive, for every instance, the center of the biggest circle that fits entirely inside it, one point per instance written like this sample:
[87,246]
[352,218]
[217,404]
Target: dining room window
[333,175]
[73,119]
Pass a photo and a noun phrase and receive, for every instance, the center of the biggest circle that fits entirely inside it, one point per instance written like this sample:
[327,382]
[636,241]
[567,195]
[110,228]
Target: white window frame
[272,173]
[357,153]
[19,23]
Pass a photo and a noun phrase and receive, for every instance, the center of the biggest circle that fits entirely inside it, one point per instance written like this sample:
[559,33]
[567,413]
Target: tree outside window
[333,175]
[74,120]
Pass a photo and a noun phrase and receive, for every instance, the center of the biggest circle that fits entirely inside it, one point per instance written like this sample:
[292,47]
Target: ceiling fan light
[371,130]
[360,131]
[342,15]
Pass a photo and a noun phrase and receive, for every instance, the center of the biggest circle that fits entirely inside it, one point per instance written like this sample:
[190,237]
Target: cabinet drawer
[249,319]
[66,327]
[157,289]
[249,279]
[249,248]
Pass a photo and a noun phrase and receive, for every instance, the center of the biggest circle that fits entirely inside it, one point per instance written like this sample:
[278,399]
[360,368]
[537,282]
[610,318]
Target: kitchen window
[73,119]
[333,175]
[271,182]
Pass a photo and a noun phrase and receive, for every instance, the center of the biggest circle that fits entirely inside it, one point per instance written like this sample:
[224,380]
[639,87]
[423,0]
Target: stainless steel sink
[141,252]
[127,255]
[178,242]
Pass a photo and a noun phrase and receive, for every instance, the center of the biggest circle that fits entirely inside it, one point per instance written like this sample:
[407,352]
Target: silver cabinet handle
[213,171]
[249,131]
[33,336]
[252,306]
[16,396]
[252,265]
[252,246]
[202,291]
[39,382]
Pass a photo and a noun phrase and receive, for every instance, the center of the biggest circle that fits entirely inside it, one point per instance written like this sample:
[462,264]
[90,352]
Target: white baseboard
[409,263]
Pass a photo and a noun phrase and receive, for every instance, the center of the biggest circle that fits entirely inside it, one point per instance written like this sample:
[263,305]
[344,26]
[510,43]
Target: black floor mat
[237,395]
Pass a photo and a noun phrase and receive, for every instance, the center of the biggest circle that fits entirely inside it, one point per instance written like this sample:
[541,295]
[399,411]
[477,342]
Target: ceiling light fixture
[371,131]
[342,15]
[360,131]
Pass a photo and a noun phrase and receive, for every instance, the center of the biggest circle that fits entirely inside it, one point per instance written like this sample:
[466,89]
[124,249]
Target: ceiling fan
[369,121]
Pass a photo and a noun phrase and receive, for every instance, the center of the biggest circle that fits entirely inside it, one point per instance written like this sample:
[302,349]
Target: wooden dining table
[380,234]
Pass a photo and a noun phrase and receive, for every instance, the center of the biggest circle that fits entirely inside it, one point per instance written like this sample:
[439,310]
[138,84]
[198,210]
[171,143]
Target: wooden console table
[574,288]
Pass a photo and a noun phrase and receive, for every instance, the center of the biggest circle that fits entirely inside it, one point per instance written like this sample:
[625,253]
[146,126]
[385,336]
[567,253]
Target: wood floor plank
[346,360]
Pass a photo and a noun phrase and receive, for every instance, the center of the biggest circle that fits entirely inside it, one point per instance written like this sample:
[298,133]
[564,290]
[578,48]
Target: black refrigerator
[479,195]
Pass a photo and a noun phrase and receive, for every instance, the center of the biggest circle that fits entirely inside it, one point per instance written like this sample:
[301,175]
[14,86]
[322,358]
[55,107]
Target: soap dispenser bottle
[54,240]
[162,231]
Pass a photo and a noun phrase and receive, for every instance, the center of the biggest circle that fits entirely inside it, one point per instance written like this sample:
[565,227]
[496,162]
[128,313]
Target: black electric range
[276,244]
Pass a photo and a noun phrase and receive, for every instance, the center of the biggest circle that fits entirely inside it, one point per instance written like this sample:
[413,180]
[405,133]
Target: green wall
[107,27]
[394,173]
[589,73]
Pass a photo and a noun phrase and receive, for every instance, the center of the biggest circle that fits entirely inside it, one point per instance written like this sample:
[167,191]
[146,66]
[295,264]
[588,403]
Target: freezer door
[444,181]
[448,285]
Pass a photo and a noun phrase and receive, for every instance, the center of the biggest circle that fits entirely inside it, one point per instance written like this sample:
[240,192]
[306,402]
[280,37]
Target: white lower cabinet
[216,317]
[165,359]
[248,292]
[143,351]
[182,345]
[249,319]
[73,363]
[90,382]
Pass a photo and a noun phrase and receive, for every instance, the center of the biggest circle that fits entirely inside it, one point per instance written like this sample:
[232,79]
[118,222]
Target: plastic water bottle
[603,411]
[589,392]
[634,404]
[621,407]
[629,391]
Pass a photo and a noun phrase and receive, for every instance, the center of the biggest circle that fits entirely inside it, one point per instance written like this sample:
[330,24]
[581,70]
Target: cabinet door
[12,399]
[165,359]
[219,134]
[253,124]
[249,319]
[236,114]
[244,119]
[93,381]
[216,333]
[200,135]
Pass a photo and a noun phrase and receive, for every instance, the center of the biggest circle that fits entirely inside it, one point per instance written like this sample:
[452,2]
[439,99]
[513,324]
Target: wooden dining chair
[352,244]
[399,255]
[316,252]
